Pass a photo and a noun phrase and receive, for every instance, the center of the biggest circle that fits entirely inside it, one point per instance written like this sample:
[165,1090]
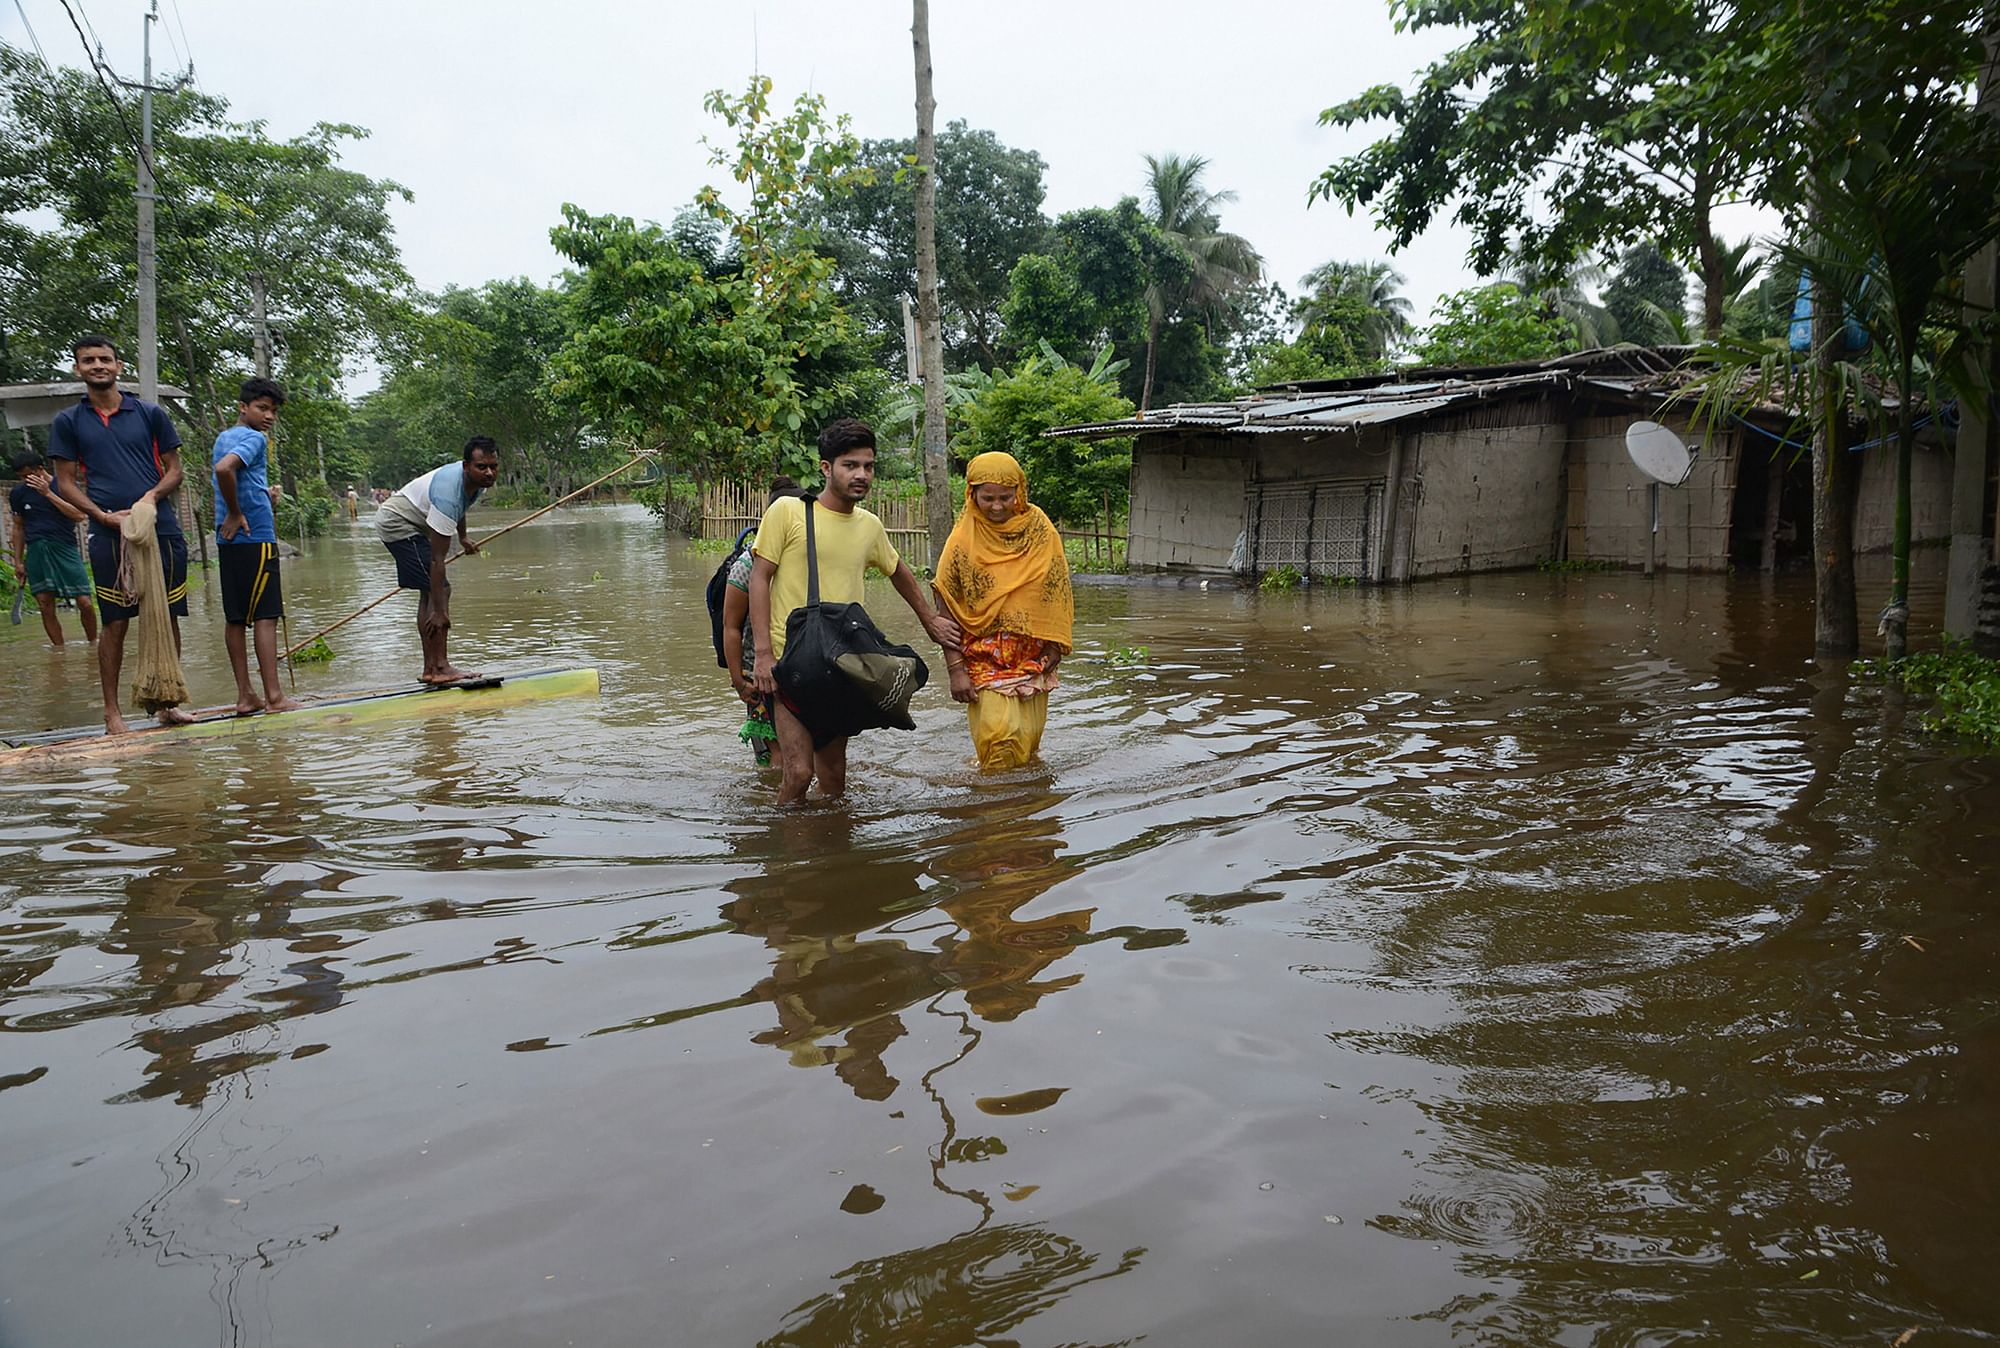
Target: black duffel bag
[839,674]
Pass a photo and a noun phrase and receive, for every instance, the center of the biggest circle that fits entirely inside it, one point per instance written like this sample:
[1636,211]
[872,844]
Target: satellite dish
[1658,452]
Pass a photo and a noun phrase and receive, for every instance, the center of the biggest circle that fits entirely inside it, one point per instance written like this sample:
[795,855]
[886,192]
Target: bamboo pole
[478,543]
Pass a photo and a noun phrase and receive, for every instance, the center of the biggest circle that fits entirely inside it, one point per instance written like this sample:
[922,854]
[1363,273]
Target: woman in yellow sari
[1004,579]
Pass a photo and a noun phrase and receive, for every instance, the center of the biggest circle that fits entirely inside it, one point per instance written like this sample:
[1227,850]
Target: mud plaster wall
[1486,497]
[1930,497]
[1187,504]
[1609,511]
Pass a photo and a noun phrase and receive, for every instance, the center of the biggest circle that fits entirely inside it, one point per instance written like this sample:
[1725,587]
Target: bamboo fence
[728,508]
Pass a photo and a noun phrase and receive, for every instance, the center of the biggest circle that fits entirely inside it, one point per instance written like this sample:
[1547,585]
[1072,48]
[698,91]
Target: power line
[97,67]
[173,45]
[46,67]
[91,26]
[185,43]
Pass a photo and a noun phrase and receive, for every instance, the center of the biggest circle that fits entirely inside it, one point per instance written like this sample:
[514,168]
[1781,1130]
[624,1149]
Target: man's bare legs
[52,619]
[247,702]
[169,715]
[267,666]
[110,660]
[802,763]
[437,666]
[111,663]
[51,623]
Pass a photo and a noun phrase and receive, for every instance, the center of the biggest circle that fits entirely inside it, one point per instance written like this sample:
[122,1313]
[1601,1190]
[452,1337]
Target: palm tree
[1374,286]
[1218,265]
[1564,292]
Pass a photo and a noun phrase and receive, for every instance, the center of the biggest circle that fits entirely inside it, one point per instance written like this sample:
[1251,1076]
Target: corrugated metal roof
[1339,410]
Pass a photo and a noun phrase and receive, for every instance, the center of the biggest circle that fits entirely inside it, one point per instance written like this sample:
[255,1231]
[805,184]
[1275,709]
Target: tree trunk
[1896,619]
[937,464]
[286,476]
[1836,630]
[1709,250]
[203,413]
[1152,348]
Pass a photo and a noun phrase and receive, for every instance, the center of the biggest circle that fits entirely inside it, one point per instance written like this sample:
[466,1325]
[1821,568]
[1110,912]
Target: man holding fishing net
[117,459]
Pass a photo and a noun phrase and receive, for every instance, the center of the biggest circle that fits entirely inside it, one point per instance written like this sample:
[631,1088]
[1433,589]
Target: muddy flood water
[1525,959]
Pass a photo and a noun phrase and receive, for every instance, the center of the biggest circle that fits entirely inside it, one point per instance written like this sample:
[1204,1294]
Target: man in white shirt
[417,525]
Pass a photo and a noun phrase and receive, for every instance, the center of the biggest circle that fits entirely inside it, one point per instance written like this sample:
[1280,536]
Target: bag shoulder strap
[812,559]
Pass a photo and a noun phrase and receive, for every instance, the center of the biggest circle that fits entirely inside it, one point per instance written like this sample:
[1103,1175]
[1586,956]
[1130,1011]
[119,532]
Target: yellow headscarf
[1008,577]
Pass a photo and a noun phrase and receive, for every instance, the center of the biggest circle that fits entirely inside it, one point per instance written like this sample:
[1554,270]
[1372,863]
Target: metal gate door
[1324,530]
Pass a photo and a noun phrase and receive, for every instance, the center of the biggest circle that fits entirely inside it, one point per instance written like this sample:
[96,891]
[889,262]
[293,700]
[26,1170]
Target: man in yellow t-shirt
[847,540]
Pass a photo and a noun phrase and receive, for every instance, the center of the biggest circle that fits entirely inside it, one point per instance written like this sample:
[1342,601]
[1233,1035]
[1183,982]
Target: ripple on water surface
[1513,960]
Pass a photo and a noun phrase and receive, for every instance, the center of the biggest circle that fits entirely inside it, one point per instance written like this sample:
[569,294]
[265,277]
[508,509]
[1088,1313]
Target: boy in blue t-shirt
[247,544]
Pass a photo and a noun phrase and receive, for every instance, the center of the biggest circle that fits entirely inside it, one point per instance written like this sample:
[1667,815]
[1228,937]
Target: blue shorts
[413,562]
[113,604]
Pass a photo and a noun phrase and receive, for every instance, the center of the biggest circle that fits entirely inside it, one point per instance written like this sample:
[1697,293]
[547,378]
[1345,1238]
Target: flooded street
[1526,959]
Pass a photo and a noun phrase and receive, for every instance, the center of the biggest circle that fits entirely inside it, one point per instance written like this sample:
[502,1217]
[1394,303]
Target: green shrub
[1286,577]
[515,496]
[1068,478]
[306,510]
[1086,559]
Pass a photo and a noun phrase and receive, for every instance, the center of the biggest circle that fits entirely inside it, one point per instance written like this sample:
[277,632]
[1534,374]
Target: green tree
[475,362]
[1563,292]
[1213,267]
[1646,294]
[1888,174]
[1070,479]
[1088,293]
[1361,300]
[989,216]
[1557,127]
[237,210]
[733,373]
[1491,325]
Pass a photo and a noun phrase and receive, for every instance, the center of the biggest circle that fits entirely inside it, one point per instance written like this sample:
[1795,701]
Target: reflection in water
[188,929]
[965,1290]
[223,1206]
[1570,925]
[855,939]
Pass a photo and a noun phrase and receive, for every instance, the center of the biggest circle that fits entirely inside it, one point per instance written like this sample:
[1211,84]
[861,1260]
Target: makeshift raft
[489,693]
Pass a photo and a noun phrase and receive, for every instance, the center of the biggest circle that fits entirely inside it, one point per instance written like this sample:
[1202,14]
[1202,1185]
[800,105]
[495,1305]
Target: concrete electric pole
[149,304]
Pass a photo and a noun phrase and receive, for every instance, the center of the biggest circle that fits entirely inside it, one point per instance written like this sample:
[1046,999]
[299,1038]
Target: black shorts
[113,604]
[413,562]
[250,590]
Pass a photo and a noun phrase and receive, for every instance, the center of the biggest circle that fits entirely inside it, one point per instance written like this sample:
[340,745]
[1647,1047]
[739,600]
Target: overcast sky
[495,114]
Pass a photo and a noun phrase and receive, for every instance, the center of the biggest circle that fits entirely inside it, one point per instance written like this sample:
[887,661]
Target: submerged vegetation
[1963,686]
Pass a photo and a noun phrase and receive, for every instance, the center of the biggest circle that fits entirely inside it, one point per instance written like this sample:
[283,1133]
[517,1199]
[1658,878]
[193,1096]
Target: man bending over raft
[417,524]
[110,450]
[848,539]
